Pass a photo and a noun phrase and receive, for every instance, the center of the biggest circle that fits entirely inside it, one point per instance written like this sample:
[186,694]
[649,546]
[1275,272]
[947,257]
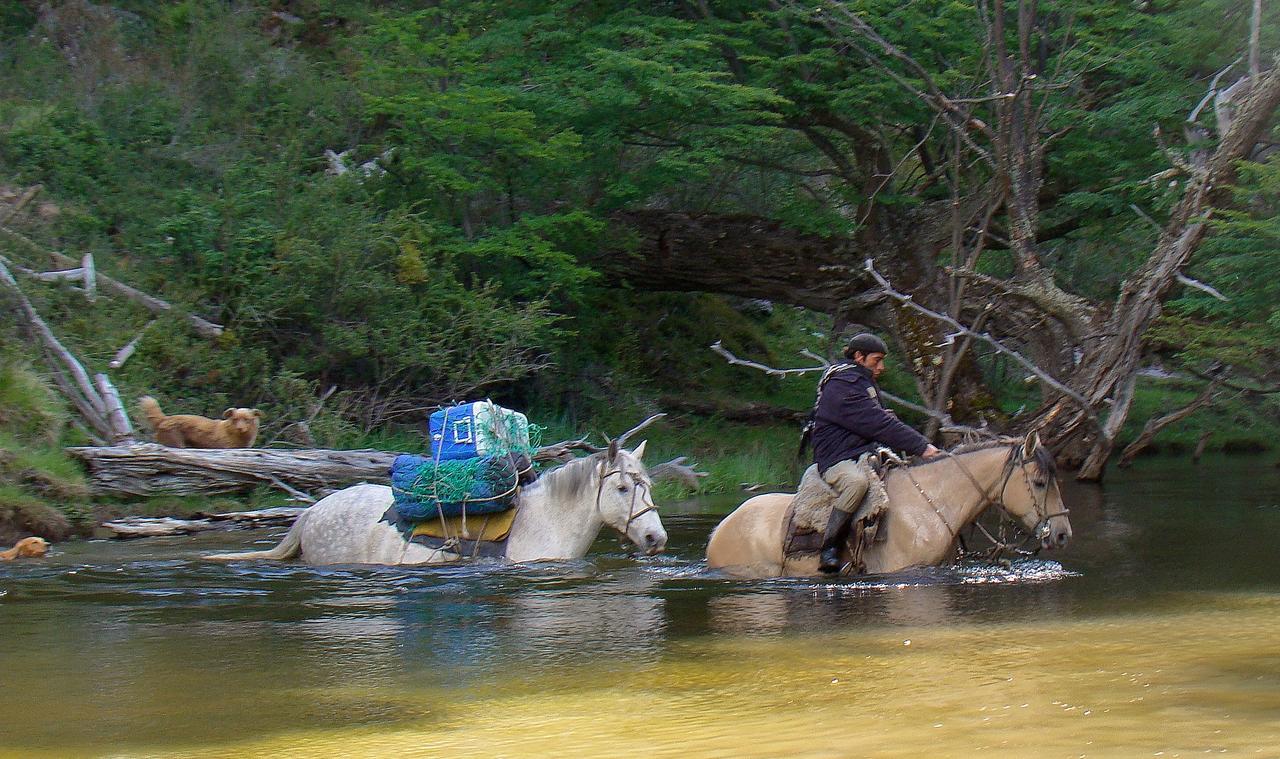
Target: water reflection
[1153,632]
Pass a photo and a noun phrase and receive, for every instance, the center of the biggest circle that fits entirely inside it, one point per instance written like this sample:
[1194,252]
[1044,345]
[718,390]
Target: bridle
[1013,462]
[1041,505]
[636,484]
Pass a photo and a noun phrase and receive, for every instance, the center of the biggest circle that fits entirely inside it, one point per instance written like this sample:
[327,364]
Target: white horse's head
[1029,492]
[625,498]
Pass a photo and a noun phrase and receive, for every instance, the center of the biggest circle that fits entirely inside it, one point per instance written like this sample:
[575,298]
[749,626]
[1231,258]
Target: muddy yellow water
[1156,634]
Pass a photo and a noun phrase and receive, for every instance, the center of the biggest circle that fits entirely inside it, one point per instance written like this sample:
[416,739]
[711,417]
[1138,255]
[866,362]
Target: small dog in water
[32,547]
[237,428]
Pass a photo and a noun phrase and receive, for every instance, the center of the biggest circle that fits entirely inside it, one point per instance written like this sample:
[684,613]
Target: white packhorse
[557,517]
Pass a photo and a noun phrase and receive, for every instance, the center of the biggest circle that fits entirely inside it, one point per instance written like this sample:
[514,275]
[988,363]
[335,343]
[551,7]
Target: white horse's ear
[1030,444]
[638,451]
[612,453]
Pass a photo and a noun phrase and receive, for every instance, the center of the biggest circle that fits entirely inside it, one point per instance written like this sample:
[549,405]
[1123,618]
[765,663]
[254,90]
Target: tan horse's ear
[1030,444]
[227,414]
[638,451]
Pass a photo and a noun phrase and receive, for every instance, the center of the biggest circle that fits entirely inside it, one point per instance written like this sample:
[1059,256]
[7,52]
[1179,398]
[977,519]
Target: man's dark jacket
[851,421]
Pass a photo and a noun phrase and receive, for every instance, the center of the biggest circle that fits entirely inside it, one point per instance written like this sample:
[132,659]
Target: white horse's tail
[288,548]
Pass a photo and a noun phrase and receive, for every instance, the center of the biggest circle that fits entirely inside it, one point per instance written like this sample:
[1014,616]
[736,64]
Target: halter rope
[636,484]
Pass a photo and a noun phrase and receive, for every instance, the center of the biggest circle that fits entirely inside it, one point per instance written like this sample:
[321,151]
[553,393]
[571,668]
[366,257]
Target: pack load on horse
[480,455]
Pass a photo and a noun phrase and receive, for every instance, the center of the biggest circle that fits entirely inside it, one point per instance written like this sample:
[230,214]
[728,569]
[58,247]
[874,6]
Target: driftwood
[150,527]
[148,469]
[153,527]
[277,515]
[99,406]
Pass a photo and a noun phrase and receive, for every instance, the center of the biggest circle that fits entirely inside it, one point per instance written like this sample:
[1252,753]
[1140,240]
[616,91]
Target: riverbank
[44,492]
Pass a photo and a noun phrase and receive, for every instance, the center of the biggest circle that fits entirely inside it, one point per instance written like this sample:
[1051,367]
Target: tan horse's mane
[1042,457]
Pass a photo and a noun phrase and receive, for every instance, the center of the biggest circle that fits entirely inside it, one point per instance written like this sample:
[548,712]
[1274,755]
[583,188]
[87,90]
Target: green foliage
[1239,259]
[42,490]
[29,408]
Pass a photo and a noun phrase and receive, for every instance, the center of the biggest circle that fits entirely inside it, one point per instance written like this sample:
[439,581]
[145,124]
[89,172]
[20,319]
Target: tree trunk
[1107,372]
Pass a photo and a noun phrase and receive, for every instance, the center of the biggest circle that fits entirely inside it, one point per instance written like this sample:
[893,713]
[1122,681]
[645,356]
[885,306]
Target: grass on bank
[42,490]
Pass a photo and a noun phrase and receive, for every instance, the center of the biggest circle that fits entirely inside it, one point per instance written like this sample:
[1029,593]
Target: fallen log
[148,469]
[153,527]
[278,515]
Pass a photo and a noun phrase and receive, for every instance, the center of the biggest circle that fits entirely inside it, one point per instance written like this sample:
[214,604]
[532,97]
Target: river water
[1156,633]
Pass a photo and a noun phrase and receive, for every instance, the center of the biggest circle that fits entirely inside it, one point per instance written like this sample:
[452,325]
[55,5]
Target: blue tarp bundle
[481,428]
[420,486]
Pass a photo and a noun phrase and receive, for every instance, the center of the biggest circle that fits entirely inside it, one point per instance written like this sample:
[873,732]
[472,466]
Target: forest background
[562,205]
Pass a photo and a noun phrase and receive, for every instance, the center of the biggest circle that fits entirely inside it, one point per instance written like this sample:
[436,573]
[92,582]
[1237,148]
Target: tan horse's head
[1029,492]
[625,499]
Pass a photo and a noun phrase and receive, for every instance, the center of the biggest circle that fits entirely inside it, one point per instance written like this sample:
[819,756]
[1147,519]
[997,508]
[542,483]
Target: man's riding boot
[832,540]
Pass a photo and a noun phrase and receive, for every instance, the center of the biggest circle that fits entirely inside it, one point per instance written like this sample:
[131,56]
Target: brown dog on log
[237,428]
[32,547]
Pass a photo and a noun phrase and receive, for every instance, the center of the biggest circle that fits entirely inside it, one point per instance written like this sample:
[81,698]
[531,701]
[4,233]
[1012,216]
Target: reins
[1011,463]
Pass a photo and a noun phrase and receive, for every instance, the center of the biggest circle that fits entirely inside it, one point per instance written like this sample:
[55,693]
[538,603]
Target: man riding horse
[849,423]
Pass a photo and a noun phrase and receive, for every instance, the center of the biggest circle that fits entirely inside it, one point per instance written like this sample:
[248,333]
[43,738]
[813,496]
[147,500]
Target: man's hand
[930,452]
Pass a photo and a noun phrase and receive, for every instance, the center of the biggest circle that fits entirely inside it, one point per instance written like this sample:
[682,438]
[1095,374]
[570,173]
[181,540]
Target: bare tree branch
[960,329]
[1197,284]
[1155,424]
[26,198]
[622,439]
[1255,28]
[124,353]
[838,19]
[81,392]
[677,470]
[942,417]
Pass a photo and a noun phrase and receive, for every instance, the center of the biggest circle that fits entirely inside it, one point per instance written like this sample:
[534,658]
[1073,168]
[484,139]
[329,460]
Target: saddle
[477,535]
[806,520]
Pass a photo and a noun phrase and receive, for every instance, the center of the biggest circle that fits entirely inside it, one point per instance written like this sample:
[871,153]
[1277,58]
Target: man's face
[872,361]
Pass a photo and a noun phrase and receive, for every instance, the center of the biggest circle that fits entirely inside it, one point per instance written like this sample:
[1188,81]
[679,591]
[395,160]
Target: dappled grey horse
[557,517]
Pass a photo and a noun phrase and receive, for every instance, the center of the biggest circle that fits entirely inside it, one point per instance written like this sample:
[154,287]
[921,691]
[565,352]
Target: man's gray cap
[865,343]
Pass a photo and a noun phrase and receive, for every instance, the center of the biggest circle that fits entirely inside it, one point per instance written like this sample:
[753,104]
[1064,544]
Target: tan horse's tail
[289,548]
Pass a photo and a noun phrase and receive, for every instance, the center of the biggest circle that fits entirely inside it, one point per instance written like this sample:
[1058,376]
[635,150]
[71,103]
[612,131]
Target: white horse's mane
[568,480]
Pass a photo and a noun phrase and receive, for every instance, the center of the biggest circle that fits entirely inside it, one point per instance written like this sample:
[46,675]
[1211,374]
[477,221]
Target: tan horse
[929,503]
